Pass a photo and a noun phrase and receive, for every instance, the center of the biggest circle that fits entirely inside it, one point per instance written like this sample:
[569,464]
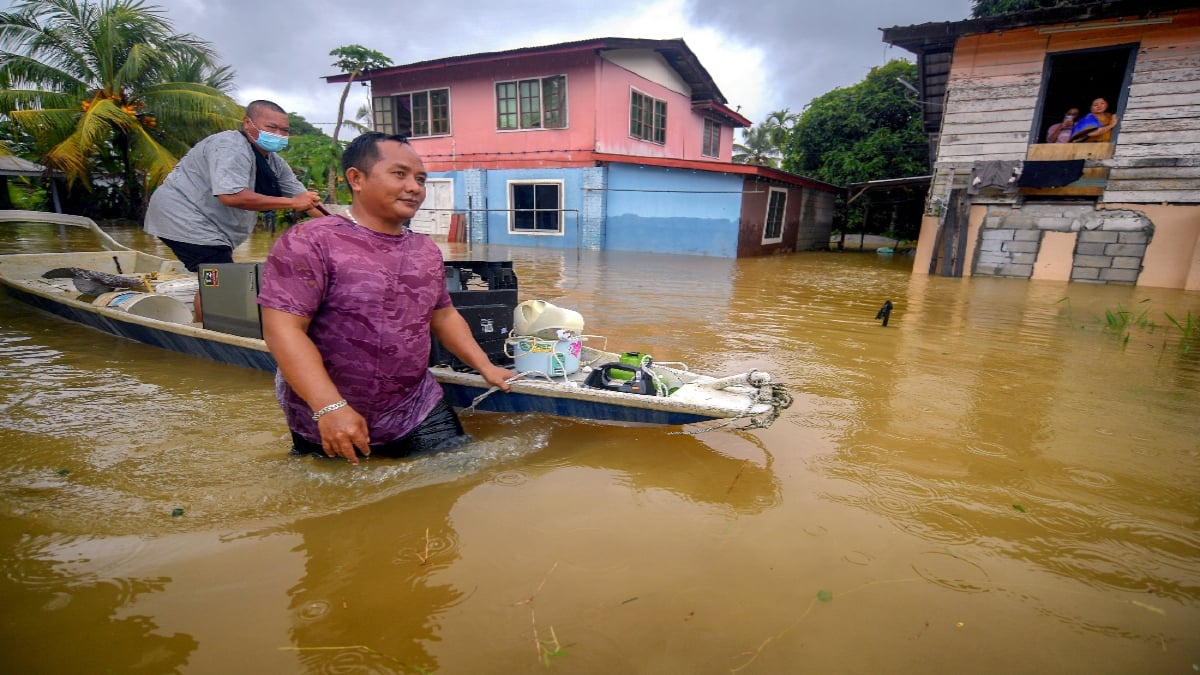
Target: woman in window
[1096,126]
[1064,130]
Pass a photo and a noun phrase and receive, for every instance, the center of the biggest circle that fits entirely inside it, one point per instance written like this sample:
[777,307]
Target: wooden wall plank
[1157,150]
[959,128]
[1154,197]
[1139,115]
[1180,87]
[1153,185]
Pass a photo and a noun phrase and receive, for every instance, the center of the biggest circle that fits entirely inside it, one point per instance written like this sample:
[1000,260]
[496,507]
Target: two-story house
[612,143]
[1005,201]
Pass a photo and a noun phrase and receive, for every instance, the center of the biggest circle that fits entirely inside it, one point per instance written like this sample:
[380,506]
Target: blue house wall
[618,207]
[666,210]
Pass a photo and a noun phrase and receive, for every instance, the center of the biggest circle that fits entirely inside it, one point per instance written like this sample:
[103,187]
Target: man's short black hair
[259,105]
[363,151]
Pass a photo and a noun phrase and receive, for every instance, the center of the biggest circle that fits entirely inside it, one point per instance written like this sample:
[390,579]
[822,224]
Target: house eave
[766,172]
[939,36]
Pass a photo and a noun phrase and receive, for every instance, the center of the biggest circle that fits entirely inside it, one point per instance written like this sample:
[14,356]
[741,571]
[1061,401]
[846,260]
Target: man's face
[266,120]
[394,188]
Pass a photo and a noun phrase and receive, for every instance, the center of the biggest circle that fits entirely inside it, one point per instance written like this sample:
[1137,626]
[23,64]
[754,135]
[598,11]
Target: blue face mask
[269,141]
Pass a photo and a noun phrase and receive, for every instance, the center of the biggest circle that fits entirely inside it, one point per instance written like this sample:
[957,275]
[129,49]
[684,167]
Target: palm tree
[90,79]
[756,147]
[353,60]
[779,124]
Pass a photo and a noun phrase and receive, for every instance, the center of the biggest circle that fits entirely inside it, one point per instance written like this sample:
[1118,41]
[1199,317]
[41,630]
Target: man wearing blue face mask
[209,203]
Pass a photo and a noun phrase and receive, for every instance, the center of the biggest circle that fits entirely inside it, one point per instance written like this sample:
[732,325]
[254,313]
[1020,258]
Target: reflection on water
[992,478]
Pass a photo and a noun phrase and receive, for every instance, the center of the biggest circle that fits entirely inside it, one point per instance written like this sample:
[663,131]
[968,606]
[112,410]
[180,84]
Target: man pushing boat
[349,304]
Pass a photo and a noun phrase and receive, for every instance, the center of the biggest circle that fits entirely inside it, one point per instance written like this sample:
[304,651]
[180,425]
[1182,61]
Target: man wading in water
[348,307]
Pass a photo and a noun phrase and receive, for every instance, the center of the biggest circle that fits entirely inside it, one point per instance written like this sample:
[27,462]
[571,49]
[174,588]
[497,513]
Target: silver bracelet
[328,409]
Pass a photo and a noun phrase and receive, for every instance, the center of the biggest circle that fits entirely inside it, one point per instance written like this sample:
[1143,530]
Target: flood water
[992,483]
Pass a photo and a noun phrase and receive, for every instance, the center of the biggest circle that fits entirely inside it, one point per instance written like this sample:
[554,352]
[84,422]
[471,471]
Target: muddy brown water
[992,483]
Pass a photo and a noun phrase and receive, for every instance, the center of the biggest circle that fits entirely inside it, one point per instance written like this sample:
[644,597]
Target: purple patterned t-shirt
[370,297]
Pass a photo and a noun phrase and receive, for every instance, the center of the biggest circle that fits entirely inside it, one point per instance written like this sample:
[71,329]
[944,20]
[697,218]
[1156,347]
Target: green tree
[779,126]
[301,127]
[868,131]
[312,154]
[764,144]
[91,79]
[756,148]
[352,60]
[983,8]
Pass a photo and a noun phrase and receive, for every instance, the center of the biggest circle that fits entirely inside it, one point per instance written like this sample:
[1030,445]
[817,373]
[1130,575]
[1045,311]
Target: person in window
[1096,126]
[1062,132]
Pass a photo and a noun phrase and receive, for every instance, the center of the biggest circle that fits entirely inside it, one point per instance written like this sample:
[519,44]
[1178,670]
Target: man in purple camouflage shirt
[348,307]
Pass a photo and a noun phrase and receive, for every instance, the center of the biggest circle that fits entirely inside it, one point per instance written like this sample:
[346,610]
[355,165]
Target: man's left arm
[448,326]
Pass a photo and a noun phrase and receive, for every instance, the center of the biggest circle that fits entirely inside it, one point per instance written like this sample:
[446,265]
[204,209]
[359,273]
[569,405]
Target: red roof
[726,167]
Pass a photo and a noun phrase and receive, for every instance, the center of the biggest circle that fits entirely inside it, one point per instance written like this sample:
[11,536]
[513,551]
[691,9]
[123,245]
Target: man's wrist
[336,405]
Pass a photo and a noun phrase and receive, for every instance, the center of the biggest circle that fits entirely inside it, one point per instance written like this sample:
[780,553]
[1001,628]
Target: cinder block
[1098,236]
[996,235]
[1085,273]
[1090,248]
[1119,275]
[1092,261]
[1022,246]
[1135,250]
[1027,235]
[1018,271]
[1140,237]
[1127,263]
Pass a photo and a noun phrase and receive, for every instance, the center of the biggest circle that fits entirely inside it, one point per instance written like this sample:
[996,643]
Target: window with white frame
[647,117]
[536,103]
[415,113]
[773,223]
[535,207]
[712,139]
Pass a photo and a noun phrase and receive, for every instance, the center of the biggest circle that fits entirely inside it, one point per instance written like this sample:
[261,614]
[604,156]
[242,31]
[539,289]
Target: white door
[434,216]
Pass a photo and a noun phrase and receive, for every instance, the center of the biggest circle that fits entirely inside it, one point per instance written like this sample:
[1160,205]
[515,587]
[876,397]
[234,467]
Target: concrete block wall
[1109,245]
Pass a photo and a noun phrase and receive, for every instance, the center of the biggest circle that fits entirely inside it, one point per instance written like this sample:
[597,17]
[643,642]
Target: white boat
[677,395]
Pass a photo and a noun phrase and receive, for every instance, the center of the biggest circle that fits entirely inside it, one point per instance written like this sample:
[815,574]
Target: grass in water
[1122,322]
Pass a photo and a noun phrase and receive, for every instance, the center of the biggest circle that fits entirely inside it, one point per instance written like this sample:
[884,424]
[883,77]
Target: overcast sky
[764,56]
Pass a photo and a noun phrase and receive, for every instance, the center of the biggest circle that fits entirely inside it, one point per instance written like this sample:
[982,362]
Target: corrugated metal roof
[11,165]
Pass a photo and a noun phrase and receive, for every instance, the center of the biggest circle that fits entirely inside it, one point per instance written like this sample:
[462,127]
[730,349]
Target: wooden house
[612,143]
[1004,202]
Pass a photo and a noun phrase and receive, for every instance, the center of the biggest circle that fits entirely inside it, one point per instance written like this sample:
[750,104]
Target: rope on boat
[773,393]
[478,399]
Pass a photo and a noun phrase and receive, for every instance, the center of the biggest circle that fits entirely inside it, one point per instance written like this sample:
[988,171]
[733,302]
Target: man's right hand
[342,431]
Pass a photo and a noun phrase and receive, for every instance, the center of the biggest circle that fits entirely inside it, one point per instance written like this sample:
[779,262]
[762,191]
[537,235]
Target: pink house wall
[473,135]
[597,114]
[685,128]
